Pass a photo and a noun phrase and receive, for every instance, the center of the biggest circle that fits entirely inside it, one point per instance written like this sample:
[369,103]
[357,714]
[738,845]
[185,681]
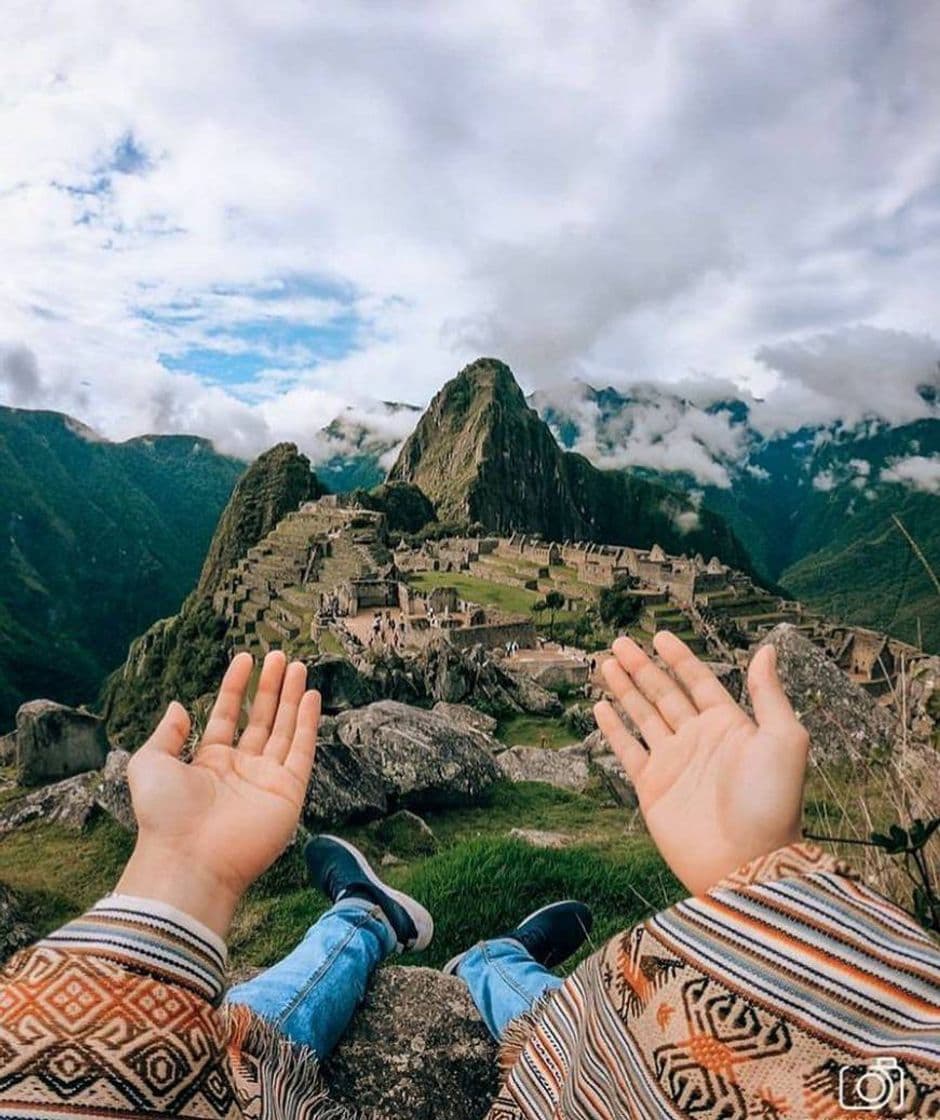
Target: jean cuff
[351,909]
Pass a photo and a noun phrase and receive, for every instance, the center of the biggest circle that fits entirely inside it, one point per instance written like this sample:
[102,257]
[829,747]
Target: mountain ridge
[99,539]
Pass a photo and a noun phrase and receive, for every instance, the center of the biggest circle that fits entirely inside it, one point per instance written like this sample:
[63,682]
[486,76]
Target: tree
[617,605]
[538,607]
[554,601]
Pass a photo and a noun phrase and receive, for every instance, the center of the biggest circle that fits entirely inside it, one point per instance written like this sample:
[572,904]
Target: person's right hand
[208,828]
[716,787]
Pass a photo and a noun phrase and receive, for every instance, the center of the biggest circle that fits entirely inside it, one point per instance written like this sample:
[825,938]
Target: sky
[239,220]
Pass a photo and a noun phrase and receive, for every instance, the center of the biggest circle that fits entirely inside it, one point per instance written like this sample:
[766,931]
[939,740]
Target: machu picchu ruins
[330,576]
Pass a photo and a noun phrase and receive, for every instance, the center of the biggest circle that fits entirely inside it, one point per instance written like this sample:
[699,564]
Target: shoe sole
[423,922]
[450,969]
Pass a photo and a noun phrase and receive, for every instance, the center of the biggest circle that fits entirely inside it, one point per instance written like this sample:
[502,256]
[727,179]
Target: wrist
[177,879]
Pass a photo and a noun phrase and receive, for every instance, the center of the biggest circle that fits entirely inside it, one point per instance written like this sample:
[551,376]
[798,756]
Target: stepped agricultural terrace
[326,578]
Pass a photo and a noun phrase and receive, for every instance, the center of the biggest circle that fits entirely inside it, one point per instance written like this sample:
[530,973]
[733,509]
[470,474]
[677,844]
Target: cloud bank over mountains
[241,221]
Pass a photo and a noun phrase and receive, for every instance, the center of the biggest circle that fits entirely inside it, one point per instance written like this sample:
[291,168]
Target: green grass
[478,882]
[528,730]
[58,874]
[329,643]
[513,600]
[508,878]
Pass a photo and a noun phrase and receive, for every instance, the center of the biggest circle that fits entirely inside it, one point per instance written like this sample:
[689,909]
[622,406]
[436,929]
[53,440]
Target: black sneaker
[340,870]
[550,935]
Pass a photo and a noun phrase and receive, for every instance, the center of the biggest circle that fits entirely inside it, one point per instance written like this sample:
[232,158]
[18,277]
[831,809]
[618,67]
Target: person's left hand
[210,827]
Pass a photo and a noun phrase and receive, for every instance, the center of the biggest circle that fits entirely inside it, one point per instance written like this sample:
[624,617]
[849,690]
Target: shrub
[617,605]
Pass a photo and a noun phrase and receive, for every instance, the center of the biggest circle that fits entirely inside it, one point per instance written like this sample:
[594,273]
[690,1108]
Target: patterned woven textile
[788,991]
[771,997]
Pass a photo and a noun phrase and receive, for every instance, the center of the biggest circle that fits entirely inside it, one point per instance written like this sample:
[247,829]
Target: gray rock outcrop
[339,683]
[15,931]
[541,838]
[463,715]
[54,742]
[8,749]
[417,1048]
[112,793]
[70,803]
[616,780]
[842,719]
[389,755]
[565,769]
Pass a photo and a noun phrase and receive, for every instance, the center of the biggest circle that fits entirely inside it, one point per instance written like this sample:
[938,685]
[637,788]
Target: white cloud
[849,376]
[824,481]
[921,472]
[659,429]
[617,191]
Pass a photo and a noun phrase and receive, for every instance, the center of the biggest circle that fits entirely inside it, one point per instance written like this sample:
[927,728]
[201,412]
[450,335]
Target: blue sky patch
[232,350]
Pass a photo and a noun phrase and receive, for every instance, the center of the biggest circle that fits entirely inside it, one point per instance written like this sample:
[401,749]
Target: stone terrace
[274,594]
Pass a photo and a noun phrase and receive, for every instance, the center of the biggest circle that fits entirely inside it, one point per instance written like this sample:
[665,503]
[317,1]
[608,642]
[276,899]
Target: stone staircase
[273,594]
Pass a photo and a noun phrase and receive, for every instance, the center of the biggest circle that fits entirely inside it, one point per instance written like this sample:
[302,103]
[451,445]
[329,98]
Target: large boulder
[55,742]
[70,803]
[8,749]
[339,682]
[15,931]
[531,697]
[470,719]
[404,834]
[565,769]
[615,779]
[388,756]
[112,792]
[417,1048]
[843,721]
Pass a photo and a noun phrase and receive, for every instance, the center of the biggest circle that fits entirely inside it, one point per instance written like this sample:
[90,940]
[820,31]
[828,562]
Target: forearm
[181,881]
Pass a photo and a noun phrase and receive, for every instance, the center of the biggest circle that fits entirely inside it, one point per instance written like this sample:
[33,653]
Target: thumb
[771,706]
[171,732]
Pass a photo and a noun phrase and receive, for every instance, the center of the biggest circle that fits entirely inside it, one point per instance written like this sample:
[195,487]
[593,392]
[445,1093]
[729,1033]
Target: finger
[171,733]
[654,729]
[228,705]
[658,687]
[626,747]
[264,708]
[699,681]
[772,709]
[303,747]
[285,722]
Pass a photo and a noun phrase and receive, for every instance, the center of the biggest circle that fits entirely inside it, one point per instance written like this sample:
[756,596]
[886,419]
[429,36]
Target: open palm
[716,787]
[233,809]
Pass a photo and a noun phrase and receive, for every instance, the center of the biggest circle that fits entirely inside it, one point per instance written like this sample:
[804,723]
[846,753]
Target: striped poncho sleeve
[790,991]
[116,1015]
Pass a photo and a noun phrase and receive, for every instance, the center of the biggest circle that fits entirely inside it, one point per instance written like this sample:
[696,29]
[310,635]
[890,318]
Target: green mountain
[99,539]
[483,456]
[183,656]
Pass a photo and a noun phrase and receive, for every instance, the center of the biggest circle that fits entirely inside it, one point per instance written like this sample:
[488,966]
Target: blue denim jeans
[312,994]
[504,981]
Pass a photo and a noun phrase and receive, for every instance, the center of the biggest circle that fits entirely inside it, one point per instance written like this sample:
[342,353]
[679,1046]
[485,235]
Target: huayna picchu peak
[483,456]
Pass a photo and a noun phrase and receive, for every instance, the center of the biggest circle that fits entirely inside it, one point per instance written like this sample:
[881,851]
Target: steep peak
[275,483]
[481,382]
